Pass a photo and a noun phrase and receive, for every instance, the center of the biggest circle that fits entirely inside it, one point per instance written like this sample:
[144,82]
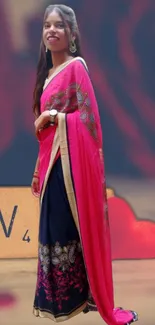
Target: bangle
[36,176]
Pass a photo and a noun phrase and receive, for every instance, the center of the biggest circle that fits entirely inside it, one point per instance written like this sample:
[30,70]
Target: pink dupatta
[78,136]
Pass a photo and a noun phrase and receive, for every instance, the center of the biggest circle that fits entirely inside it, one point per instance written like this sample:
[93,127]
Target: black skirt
[62,286]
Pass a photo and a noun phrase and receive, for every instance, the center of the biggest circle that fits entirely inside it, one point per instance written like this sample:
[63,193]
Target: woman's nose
[53,28]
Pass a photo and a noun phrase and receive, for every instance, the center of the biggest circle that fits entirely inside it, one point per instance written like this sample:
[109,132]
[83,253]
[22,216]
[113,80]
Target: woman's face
[54,33]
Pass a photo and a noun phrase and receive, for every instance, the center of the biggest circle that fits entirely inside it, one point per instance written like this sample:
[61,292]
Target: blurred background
[118,40]
[118,45]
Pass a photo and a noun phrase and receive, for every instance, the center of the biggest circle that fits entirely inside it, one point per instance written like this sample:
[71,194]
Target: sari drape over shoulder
[78,140]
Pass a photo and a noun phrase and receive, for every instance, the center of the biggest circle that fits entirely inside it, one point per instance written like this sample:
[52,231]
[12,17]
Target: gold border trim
[60,141]
[66,168]
[67,175]
[61,68]
[54,151]
[46,314]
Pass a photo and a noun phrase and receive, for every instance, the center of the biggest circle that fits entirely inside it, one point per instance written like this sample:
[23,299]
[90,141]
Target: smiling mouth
[49,38]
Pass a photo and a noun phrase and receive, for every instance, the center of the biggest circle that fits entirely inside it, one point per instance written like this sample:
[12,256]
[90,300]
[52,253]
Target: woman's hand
[35,186]
[41,121]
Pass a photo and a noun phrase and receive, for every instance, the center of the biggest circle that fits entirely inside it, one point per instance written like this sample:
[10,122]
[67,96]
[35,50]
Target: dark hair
[45,61]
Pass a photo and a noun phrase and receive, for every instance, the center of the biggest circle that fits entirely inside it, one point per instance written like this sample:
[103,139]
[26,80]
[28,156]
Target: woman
[74,245]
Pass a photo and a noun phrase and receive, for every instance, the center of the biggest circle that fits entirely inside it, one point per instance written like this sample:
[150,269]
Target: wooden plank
[19,216]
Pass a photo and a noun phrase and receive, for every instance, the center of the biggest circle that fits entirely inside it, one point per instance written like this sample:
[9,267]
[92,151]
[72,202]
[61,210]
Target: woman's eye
[60,25]
[46,26]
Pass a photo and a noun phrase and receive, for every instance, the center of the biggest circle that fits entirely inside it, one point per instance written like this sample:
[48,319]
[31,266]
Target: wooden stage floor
[134,289]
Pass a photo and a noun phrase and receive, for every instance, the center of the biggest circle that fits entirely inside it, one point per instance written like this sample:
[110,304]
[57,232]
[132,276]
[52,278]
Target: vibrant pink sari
[78,139]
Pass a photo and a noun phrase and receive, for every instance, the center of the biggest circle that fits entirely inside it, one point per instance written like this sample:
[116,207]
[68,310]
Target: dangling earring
[72,46]
[46,50]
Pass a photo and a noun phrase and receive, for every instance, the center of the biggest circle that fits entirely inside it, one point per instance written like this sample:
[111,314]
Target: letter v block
[19,219]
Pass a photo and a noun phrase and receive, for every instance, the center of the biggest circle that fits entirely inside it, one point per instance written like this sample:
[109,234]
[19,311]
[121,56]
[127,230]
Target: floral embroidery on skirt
[62,286]
[60,269]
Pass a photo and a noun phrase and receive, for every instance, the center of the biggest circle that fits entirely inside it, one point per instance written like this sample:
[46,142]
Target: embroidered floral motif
[86,114]
[60,269]
[64,101]
[71,99]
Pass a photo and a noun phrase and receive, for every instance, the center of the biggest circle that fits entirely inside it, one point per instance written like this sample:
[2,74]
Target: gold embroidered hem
[46,314]
[66,168]
[61,68]
[54,151]
[60,140]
